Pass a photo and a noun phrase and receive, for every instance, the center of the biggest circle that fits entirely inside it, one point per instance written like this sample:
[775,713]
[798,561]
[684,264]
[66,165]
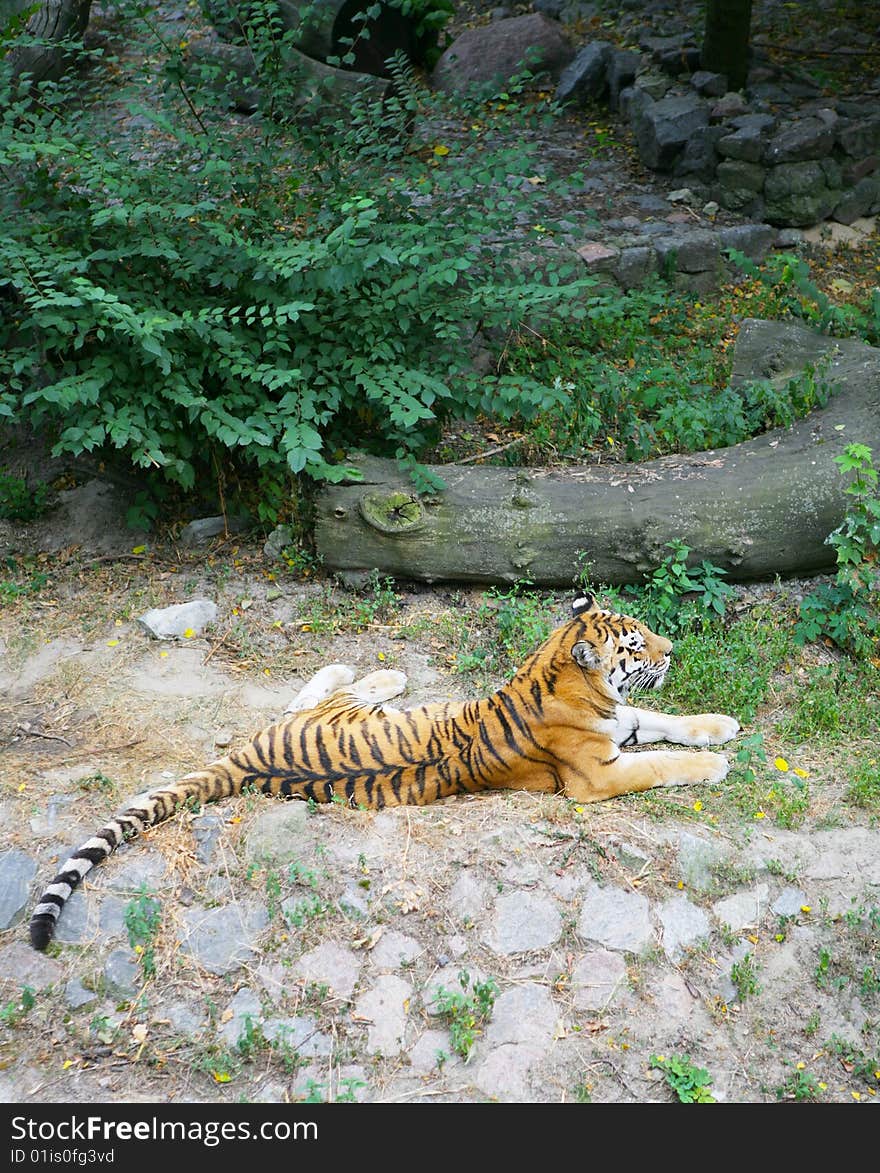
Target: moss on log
[758,509]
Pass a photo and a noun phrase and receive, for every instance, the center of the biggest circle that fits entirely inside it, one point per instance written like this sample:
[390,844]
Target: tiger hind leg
[325,682]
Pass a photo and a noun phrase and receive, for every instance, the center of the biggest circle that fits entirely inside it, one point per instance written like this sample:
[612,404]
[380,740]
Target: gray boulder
[797,194]
[623,65]
[797,142]
[587,75]
[663,128]
[495,52]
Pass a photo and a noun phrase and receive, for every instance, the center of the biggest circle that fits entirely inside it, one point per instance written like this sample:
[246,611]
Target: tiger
[557,727]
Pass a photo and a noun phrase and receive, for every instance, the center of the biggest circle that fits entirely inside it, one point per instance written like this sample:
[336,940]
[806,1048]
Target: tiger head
[600,645]
[626,653]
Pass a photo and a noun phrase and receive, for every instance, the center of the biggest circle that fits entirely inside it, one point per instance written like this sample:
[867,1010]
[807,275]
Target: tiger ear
[582,603]
[585,655]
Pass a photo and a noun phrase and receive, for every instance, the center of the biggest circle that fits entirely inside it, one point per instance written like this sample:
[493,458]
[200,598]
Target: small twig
[490,451]
[427,1091]
[26,729]
[218,644]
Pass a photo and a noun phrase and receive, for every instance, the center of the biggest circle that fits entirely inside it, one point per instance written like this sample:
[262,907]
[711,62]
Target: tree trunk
[726,40]
[757,509]
[54,23]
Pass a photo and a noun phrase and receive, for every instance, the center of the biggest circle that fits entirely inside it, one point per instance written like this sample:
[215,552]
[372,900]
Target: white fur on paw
[721,769]
[324,683]
[709,729]
[381,685]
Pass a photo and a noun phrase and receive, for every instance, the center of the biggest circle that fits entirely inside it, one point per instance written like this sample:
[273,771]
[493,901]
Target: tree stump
[758,509]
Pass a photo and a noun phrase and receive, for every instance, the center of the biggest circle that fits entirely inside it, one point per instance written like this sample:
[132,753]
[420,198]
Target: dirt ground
[598,942]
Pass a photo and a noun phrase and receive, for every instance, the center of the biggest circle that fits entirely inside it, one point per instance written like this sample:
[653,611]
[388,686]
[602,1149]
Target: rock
[683,925]
[76,925]
[187,1019]
[597,978]
[330,965]
[220,939]
[796,194]
[621,72]
[728,106]
[17,870]
[586,77]
[279,835]
[652,84]
[425,1056]
[693,251]
[711,85]
[753,240]
[525,1014]
[134,872]
[394,949]
[386,1007]
[859,138]
[280,539]
[859,200]
[234,1022]
[200,531]
[789,902]
[206,831]
[76,994]
[523,921]
[789,238]
[597,256]
[747,143]
[683,195]
[742,909]
[663,128]
[121,974]
[300,1034]
[635,265]
[175,621]
[796,142]
[28,967]
[740,185]
[495,52]
[468,897]
[616,919]
[503,1075]
[700,157]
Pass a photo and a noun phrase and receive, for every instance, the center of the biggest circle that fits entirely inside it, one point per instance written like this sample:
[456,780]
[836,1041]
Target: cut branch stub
[392,512]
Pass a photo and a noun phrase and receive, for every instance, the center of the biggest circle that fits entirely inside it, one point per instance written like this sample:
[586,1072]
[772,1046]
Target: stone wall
[781,153]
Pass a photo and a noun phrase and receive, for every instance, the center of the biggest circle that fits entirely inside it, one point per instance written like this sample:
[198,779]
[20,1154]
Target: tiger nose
[665,646]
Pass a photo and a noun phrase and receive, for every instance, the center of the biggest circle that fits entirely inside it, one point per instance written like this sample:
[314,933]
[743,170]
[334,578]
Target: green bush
[845,611]
[277,292]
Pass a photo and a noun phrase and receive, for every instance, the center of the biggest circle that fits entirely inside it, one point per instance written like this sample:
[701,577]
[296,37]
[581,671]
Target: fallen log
[758,509]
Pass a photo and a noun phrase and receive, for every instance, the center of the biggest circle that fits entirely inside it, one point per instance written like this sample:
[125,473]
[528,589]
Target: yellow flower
[380,656]
[806,908]
[189,633]
[822,1086]
[111,643]
[760,815]
[441,150]
[856,1095]
[801,1066]
[780,764]
[800,773]
[698,806]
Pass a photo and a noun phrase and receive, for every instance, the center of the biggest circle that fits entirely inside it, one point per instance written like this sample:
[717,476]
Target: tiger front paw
[709,729]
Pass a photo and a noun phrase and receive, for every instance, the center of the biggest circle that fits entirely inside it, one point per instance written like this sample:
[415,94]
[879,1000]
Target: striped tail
[153,807]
